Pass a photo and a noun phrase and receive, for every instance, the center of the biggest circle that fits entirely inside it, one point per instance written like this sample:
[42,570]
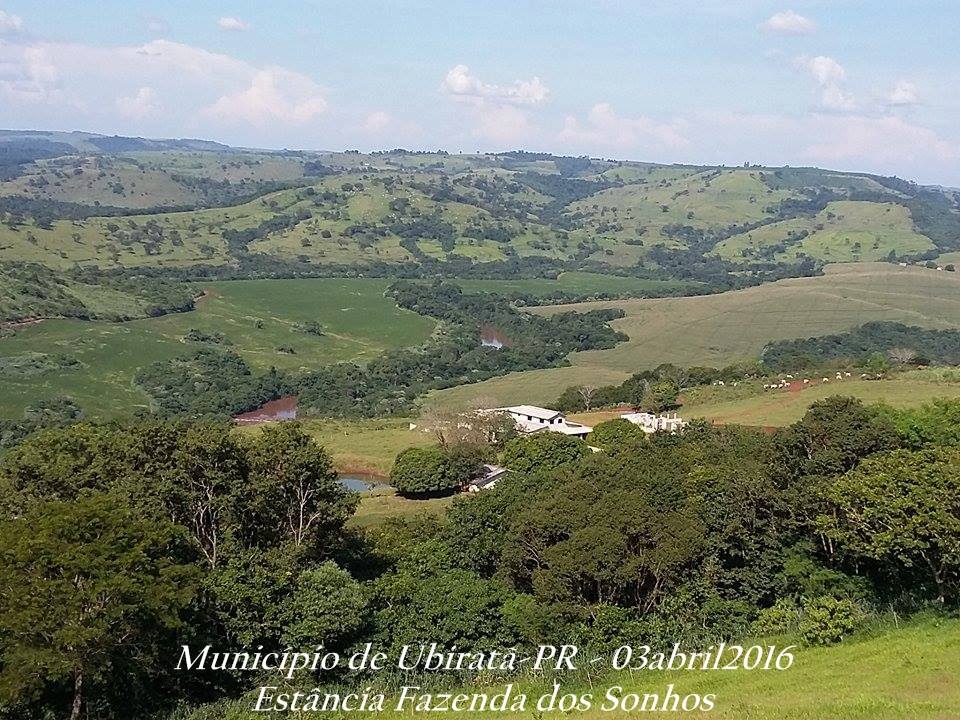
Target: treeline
[213,382]
[29,291]
[907,343]
[653,390]
[709,535]
[391,382]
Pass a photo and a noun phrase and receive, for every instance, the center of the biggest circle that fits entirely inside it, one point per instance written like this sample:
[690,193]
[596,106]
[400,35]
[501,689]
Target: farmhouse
[531,419]
[651,423]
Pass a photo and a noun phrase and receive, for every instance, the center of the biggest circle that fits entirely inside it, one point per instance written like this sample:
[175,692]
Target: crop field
[846,231]
[256,317]
[717,330]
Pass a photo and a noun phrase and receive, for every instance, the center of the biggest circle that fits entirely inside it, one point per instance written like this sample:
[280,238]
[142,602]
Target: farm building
[651,423]
[531,419]
[488,479]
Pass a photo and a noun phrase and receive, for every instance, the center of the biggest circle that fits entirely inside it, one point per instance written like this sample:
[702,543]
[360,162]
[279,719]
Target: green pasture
[359,323]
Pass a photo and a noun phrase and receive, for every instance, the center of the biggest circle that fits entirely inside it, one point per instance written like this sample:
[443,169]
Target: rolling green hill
[716,330]
[109,202]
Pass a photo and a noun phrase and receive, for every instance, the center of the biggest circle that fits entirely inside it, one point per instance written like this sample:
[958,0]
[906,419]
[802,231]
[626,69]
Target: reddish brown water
[284,408]
[492,337]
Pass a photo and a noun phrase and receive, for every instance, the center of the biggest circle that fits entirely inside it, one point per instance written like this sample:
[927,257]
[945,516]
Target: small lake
[492,337]
[361,482]
[284,408]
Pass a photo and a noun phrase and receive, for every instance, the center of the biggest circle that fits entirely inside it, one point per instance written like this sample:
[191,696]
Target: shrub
[826,620]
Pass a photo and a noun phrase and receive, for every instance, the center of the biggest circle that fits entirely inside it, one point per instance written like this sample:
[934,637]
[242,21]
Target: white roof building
[651,423]
[531,419]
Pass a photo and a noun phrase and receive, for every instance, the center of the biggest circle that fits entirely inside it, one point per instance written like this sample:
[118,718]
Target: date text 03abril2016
[431,657]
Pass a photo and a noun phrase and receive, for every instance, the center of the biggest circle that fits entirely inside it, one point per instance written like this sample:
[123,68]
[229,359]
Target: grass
[902,673]
[359,323]
[782,407]
[143,179]
[846,231]
[379,506]
[575,282]
[717,330]
[366,446]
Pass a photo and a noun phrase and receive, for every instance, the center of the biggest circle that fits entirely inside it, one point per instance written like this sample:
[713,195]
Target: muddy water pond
[284,408]
[492,337]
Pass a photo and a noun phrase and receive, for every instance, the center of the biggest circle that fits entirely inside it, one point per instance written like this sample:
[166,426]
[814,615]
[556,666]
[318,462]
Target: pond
[284,408]
[362,482]
[492,337]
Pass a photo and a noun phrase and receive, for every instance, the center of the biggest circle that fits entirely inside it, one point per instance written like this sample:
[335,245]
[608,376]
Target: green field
[359,323]
[895,673]
[717,330]
[846,231]
[750,404]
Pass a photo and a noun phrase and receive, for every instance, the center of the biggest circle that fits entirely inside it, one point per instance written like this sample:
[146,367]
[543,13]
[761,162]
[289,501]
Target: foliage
[903,507]
[435,470]
[543,452]
[929,346]
[617,434]
[86,589]
[826,620]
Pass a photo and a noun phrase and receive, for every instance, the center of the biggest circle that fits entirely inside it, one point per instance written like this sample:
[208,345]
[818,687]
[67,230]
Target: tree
[586,393]
[614,434]
[82,585]
[293,490]
[902,355]
[326,606]
[543,452]
[424,471]
[656,397]
[902,506]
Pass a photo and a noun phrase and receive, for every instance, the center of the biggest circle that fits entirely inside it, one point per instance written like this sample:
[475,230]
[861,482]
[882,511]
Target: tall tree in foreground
[902,507]
[85,586]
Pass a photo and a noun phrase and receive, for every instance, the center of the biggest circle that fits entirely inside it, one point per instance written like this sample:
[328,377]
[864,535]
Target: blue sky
[845,84]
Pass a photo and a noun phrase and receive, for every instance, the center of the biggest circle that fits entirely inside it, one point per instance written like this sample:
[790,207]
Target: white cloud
[789,23]
[831,77]
[234,24]
[273,95]
[138,106]
[885,141]
[903,93]
[83,82]
[605,129]
[886,144]
[10,24]
[506,126]
[460,84]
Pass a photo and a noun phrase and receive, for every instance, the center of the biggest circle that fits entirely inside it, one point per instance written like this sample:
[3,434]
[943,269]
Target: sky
[845,84]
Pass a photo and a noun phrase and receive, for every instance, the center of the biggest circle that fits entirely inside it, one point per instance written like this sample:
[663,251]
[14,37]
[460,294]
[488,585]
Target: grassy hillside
[847,231]
[357,320]
[347,208]
[905,673]
[720,329]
